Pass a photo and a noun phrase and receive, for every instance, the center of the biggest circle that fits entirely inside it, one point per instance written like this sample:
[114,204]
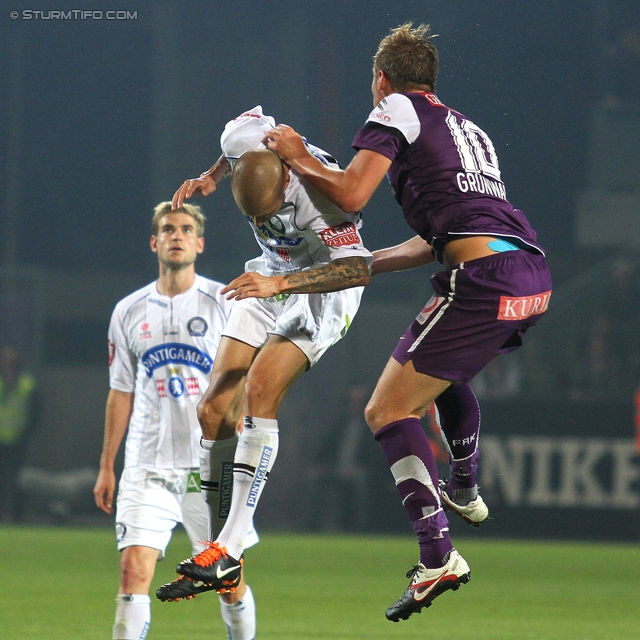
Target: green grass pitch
[61,584]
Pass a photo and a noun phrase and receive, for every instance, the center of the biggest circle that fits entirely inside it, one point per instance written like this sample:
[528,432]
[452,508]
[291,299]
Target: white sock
[133,616]
[240,617]
[216,477]
[255,455]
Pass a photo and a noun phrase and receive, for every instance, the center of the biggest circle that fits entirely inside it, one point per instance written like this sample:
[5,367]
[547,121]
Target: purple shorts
[480,309]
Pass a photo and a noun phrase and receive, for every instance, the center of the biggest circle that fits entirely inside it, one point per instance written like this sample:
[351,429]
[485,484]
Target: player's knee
[254,388]
[203,408]
[208,413]
[381,411]
[374,415]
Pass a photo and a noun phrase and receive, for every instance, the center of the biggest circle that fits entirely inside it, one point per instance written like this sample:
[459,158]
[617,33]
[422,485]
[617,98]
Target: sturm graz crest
[197,326]
[176,386]
[121,530]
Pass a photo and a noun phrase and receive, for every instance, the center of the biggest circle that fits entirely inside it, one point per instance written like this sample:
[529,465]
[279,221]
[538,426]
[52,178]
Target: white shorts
[152,501]
[313,322]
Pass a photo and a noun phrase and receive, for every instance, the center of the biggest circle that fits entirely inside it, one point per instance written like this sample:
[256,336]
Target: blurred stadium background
[102,119]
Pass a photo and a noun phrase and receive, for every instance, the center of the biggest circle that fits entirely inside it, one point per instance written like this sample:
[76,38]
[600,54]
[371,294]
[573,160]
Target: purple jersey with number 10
[444,172]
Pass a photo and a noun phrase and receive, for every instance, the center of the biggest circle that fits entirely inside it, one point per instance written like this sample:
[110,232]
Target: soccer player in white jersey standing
[163,339]
[294,301]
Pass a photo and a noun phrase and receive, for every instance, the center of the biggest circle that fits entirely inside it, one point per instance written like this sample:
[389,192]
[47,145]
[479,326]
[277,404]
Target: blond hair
[192,210]
[408,58]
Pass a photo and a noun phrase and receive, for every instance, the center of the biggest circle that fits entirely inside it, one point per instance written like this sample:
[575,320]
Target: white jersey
[309,230]
[162,350]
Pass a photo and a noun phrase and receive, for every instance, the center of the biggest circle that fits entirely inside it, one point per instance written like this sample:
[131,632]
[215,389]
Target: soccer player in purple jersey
[495,285]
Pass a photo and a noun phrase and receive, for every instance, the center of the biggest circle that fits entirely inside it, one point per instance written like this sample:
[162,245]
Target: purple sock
[414,469]
[459,418]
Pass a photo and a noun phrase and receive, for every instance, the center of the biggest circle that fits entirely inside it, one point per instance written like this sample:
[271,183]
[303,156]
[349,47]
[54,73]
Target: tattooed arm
[339,274]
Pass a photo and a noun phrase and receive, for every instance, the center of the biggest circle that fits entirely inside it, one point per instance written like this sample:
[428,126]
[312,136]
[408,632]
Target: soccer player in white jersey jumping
[163,339]
[283,322]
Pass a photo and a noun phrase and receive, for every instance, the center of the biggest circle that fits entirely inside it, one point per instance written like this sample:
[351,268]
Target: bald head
[258,183]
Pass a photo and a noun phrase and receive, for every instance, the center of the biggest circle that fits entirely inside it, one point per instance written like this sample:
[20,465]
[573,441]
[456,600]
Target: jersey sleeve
[245,133]
[323,156]
[392,126]
[221,306]
[337,232]
[225,306]
[122,363]
[340,236]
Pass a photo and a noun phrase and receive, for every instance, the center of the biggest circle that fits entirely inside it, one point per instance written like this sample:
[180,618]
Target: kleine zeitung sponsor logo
[344,234]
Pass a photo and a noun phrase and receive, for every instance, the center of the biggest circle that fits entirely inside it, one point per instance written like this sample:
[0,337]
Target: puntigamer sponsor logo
[226,487]
[175,353]
[261,474]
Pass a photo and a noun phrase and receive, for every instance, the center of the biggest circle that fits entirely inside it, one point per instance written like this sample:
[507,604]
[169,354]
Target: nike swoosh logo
[222,573]
[423,594]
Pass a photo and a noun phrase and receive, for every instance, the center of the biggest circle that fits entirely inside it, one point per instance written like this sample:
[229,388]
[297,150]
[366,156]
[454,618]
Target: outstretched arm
[408,255]
[206,183]
[118,413]
[342,273]
[350,189]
